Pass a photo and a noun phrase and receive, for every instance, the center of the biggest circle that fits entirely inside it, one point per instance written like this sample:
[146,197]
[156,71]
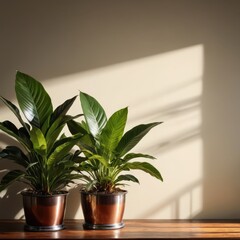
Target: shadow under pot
[103,210]
[44,212]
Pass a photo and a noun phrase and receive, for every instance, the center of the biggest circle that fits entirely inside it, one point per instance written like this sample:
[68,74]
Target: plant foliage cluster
[47,158]
[47,165]
[106,148]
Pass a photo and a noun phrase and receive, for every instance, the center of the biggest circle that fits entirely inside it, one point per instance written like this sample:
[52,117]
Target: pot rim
[33,194]
[120,192]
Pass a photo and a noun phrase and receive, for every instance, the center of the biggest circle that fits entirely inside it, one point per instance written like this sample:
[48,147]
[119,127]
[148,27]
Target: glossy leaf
[112,132]
[33,100]
[76,127]
[133,136]
[62,109]
[55,129]
[25,136]
[144,166]
[94,114]
[39,141]
[62,149]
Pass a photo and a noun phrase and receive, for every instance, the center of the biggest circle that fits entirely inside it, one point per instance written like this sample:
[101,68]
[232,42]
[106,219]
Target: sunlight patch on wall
[164,87]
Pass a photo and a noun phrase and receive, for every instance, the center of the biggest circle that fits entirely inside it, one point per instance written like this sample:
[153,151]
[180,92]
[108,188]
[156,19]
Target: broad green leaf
[127,177]
[133,136]
[75,127]
[23,132]
[86,144]
[14,153]
[53,133]
[94,114]
[100,159]
[62,148]
[38,140]
[144,166]
[24,135]
[62,109]
[33,100]
[112,132]
[11,177]
[56,128]
[15,110]
[9,128]
[130,156]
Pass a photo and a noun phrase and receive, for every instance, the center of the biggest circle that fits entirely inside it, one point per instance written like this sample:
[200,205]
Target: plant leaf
[133,136]
[100,159]
[94,114]
[14,153]
[137,155]
[62,148]
[127,177]
[61,110]
[112,132]
[144,166]
[11,177]
[56,128]
[9,128]
[75,127]
[33,100]
[15,110]
[38,140]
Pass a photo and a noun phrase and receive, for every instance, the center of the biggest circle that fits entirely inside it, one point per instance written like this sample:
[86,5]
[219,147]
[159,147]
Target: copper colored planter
[103,211]
[44,212]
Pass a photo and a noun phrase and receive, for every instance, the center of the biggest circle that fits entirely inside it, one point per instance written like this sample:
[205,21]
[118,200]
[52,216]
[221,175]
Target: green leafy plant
[46,162]
[105,147]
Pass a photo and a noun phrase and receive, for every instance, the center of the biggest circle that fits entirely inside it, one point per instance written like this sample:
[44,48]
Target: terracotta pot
[44,212]
[103,211]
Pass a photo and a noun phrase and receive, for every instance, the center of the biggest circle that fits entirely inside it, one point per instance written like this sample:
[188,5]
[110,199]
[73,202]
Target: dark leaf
[61,110]
[75,127]
[14,153]
[16,111]
[11,177]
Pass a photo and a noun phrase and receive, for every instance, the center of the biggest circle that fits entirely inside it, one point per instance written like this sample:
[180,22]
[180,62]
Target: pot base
[43,228]
[103,226]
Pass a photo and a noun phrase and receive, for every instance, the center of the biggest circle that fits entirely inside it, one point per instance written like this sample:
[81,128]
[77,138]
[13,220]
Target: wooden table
[134,229]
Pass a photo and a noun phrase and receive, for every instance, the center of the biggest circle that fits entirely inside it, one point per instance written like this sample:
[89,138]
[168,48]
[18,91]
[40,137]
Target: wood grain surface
[134,229]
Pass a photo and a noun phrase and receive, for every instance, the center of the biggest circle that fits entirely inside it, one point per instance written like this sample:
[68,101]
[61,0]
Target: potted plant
[45,162]
[105,162]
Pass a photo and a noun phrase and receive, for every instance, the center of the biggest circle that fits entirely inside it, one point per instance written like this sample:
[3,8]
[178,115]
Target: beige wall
[175,61]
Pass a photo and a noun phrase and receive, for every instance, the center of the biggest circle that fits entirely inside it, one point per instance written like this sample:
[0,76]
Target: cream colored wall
[173,61]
